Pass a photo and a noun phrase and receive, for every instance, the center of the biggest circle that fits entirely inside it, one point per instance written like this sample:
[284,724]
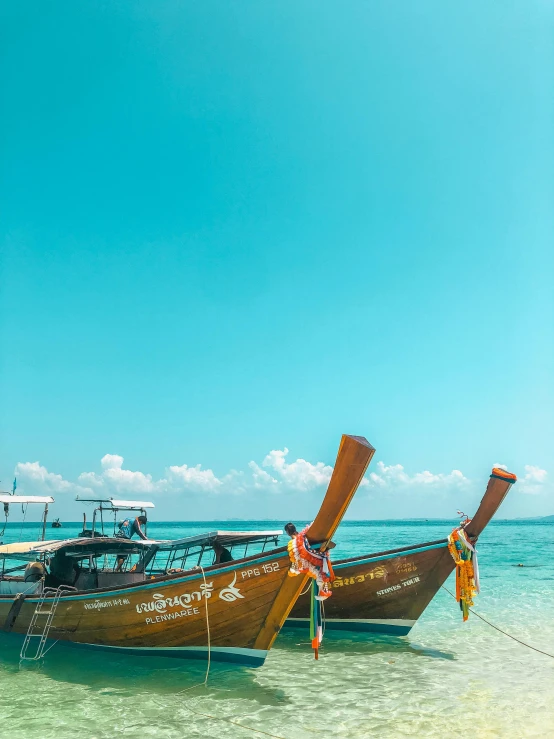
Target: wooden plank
[355,454]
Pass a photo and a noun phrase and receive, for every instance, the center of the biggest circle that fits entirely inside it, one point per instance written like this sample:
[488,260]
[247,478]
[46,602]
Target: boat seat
[115,579]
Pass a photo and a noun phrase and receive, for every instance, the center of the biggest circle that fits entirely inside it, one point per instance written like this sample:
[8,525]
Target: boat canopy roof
[43,499]
[112,545]
[118,504]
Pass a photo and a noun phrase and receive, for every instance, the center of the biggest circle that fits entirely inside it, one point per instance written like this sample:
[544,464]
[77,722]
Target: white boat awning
[131,504]
[120,504]
[28,547]
[44,499]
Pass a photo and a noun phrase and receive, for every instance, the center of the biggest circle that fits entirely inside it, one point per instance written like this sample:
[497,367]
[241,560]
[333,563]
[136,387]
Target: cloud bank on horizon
[274,475]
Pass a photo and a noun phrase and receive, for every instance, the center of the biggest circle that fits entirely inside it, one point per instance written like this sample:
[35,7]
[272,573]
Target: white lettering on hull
[98,604]
[394,588]
[265,569]
[161,604]
[173,616]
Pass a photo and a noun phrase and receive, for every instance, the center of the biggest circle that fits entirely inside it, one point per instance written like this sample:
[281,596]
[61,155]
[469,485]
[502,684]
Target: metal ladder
[51,597]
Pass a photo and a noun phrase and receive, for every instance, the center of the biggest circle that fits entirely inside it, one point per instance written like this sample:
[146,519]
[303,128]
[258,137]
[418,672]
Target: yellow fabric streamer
[467,573]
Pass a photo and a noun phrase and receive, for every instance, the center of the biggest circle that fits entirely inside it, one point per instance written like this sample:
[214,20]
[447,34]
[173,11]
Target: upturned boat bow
[386,592]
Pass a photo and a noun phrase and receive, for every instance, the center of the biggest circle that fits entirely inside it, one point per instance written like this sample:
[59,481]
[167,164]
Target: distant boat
[56,524]
[387,592]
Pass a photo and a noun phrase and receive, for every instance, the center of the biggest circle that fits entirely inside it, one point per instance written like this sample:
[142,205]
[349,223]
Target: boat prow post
[354,455]
[498,486]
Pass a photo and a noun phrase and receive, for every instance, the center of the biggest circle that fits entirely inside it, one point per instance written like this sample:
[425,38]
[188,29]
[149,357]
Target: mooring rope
[208,667]
[186,705]
[235,723]
[501,630]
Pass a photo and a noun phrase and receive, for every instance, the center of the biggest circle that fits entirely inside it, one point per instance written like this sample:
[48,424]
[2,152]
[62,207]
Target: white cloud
[395,476]
[274,475]
[300,475]
[34,478]
[262,479]
[111,462]
[115,479]
[192,478]
[532,483]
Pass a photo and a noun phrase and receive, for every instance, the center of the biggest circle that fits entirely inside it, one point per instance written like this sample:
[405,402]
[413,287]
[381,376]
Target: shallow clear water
[444,677]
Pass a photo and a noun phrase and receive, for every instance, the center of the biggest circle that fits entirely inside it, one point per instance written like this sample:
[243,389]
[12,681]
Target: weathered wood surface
[354,455]
[494,495]
[400,587]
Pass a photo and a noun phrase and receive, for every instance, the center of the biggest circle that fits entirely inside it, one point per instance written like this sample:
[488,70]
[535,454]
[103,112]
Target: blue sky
[231,229]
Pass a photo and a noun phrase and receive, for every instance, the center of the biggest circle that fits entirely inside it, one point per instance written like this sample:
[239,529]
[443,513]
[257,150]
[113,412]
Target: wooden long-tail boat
[387,592]
[231,611]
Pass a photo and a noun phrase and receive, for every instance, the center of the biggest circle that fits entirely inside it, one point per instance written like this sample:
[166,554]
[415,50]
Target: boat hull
[220,612]
[229,655]
[382,593]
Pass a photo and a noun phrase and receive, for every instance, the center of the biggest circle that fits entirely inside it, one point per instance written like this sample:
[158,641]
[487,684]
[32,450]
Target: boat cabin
[98,558]
[107,562]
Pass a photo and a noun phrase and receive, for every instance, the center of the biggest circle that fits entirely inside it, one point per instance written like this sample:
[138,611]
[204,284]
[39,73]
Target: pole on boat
[44,517]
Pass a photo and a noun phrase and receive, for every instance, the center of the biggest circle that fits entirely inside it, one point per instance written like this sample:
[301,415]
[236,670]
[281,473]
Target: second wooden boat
[387,592]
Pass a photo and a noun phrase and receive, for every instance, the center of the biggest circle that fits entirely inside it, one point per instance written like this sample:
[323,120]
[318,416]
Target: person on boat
[221,554]
[290,529]
[127,529]
[63,570]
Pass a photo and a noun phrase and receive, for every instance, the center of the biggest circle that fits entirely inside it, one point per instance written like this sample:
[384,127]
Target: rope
[308,586]
[235,723]
[49,648]
[207,627]
[205,681]
[501,630]
[24,517]
[187,706]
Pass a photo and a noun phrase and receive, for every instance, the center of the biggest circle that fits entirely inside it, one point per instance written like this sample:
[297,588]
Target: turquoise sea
[445,678]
